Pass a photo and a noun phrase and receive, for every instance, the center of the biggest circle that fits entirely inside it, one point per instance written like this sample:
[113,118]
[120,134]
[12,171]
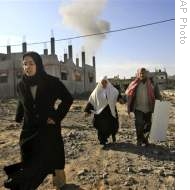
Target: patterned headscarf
[130,92]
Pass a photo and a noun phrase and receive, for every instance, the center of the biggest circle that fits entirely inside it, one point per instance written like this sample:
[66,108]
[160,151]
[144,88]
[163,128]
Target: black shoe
[145,140]
[103,143]
[147,143]
[113,138]
[139,143]
[105,147]
[62,187]
[11,184]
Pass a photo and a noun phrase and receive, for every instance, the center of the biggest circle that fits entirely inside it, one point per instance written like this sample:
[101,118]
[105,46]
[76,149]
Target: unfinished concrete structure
[159,76]
[79,80]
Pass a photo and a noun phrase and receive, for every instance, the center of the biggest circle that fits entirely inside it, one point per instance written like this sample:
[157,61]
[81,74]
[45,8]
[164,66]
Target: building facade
[158,76]
[79,80]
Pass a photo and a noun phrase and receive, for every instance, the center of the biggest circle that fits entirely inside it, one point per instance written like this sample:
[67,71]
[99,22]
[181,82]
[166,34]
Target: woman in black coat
[41,144]
[102,102]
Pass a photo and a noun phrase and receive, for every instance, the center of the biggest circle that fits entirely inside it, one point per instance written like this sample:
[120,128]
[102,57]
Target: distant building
[160,77]
[171,82]
[78,79]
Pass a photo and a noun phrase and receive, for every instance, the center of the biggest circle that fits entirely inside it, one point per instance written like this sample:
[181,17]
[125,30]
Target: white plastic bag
[160,120]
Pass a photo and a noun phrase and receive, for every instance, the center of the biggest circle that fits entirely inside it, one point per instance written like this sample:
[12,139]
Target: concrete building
[79,80]
[158,76]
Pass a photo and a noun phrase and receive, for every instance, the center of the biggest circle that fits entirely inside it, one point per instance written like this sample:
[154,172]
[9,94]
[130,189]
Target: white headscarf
[101,97]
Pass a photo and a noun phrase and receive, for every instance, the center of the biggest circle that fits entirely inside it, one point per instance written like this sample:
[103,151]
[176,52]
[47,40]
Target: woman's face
[29,66]
[104,83]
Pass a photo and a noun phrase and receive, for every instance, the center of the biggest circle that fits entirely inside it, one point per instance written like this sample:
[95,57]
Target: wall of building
[10,73]
[78,80]
[161,78]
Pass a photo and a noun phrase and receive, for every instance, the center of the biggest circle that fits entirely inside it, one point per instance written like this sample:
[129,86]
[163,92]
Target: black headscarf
[40,72]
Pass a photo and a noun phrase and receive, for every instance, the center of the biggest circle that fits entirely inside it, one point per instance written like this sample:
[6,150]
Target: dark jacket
[39,139]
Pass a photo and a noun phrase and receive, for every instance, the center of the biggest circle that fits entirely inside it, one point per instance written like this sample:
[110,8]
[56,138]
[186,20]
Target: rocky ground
[120,166]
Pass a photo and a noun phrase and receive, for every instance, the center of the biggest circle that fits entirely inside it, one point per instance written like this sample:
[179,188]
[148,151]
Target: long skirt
[105,124]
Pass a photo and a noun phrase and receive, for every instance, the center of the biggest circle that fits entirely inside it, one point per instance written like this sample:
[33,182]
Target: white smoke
[84,17]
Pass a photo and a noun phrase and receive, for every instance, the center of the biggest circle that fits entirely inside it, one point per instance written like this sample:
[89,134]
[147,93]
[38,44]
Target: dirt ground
[89,166]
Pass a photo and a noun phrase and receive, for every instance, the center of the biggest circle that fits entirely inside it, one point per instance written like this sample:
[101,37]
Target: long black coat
[38,140]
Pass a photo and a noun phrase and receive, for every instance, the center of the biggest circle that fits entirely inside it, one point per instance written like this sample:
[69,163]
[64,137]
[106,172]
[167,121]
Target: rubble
[121,166]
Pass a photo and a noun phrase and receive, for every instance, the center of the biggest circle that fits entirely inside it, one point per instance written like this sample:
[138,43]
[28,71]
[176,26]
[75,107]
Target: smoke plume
[83,16]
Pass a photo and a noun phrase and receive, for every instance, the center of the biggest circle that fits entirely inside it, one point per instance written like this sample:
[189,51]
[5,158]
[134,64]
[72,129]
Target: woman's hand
[50,121]
[121,101]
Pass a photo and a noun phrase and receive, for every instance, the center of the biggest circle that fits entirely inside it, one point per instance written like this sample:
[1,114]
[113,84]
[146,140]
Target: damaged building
[79,80]
[158,76]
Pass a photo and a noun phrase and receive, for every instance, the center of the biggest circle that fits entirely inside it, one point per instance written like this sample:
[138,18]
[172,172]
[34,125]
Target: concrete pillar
[94,66]
[84,70]
[8,49]
[77,62]
[52,46]
[45,51]
[94,61]
[83,58]
[24,47]
[65,57]
[70,49]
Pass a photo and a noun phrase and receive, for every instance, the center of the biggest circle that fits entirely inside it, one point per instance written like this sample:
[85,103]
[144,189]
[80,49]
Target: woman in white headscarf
[102,102]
